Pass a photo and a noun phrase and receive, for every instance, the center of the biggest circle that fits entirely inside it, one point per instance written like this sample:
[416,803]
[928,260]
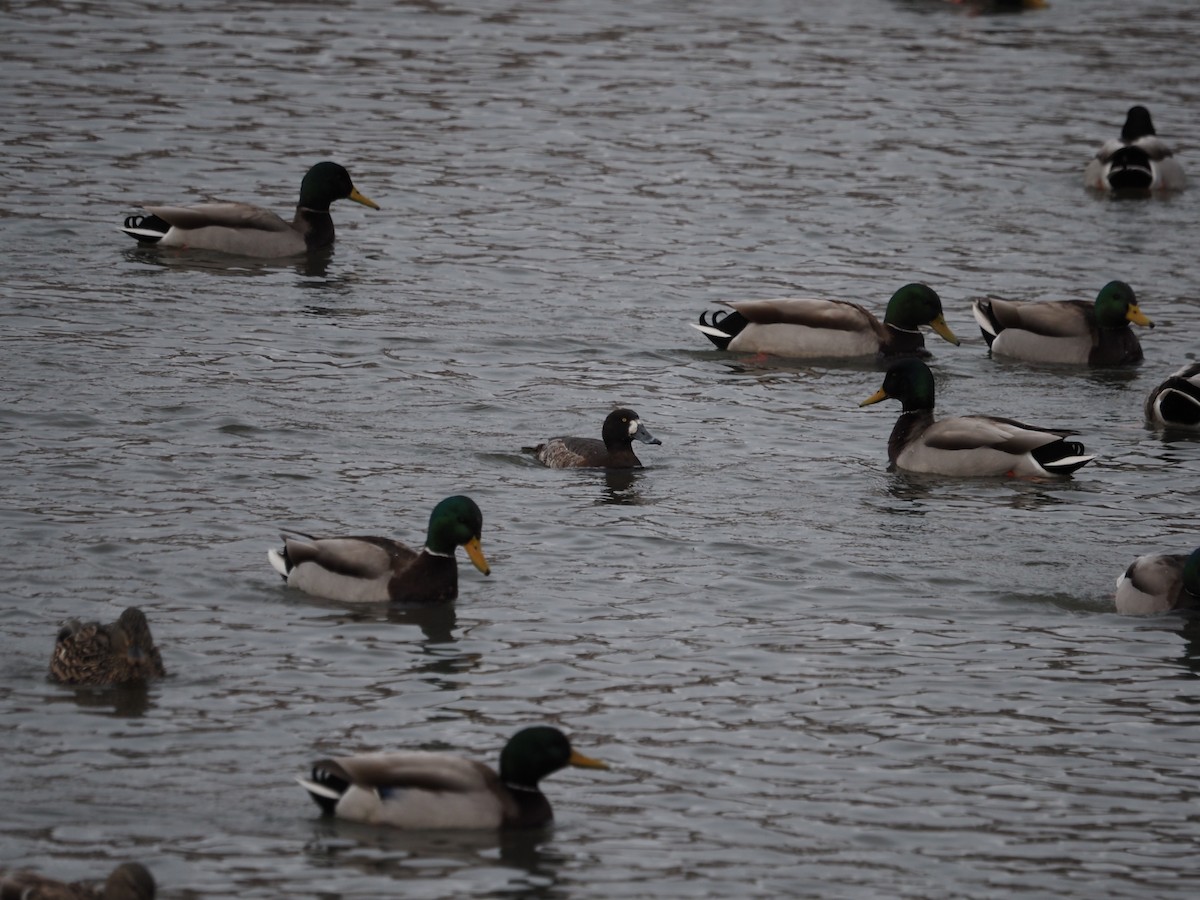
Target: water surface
[812,676]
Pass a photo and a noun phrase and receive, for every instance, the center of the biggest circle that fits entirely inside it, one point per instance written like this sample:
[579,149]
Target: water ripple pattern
[812,677]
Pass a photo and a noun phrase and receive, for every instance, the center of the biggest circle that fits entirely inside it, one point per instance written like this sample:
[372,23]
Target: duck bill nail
[475,552]
[645,436]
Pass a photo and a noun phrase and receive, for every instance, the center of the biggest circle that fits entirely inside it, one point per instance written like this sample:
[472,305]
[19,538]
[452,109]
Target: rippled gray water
[812,677]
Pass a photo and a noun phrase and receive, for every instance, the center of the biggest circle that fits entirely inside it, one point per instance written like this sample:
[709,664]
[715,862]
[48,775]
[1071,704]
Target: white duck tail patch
[981,310]
[144,235]
[709,330]
[278,562]
[148,229]
[319,790]
[1065,465]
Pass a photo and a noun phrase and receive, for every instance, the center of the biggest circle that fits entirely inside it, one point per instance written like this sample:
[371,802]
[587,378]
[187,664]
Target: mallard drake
[805,328]
[128,881]
[966,445]
[440,790]
[1160,582]
[361,569]
[1176,402]
[246,230]
[1066,331]
[94,654]
[1137,161]
[621,428]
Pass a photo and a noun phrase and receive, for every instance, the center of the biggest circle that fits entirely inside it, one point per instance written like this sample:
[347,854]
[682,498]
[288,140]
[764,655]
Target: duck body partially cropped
[1068,332]
[1175,403]
[1160,582]
[128,881]
[1137,161]
[614,451]
[812,328]
[967,445]
[242,229]
[421,790]
[89,653]
[367,569]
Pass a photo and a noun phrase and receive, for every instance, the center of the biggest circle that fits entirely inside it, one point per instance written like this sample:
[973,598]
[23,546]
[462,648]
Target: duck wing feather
[221,215]
[424,771]
[359,556]
[993,432]
[1059,318]
[838,315]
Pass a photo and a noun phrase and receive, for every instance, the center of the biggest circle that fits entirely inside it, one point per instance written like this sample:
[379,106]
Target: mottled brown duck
[89,653]
[128,881]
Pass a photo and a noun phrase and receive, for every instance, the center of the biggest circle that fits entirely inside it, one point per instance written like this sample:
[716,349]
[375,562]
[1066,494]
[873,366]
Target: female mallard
[247,230]
[1160,582]
[1066,331]
[806,328]
[440,790]
[95,654]
[1176,402]
[615,451]
[128,881]
[966,445]
[378,569]
[1137,161]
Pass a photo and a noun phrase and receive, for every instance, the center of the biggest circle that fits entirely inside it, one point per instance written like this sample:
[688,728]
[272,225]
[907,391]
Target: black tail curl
[1130,169]
[1179,402]
[1051,457]
[731,322]
[323,774]
[146,229]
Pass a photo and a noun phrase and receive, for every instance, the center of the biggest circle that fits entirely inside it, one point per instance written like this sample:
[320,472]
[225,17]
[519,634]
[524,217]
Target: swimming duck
[1160,582]
[1176,402]
[621,428]
[1066,331]
[363,569]
[1138,161]
[806,328]
[440,790]
[247,230]
[128,881]
[966,445]
[94,654]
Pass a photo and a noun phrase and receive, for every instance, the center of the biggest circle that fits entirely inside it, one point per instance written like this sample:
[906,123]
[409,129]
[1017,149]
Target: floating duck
[967,445]
[1072,332]
[246,230]
[361,569]
[1160,582]
[1176,402]
[441,790]
[88,653]
[1138,161]
[806,328]
[128,881]
[621,428]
